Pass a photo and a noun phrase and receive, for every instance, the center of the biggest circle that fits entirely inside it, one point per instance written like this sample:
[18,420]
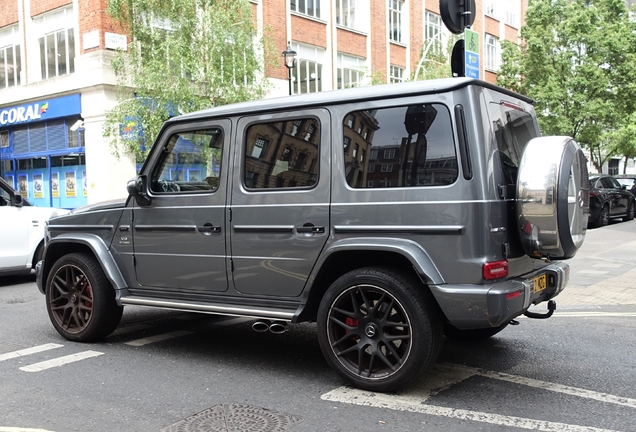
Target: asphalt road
[573,372]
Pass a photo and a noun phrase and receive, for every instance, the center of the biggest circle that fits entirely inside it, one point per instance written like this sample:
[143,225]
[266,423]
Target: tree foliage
[577,60]
[183,56]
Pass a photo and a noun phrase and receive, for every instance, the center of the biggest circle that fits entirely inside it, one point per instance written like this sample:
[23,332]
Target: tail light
[495,270]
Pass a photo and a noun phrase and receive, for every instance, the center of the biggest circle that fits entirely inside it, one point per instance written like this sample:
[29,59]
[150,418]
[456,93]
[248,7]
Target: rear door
[280,201]
[179,238]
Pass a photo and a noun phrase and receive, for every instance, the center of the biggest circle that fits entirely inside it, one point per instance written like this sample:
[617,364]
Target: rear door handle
[310,229]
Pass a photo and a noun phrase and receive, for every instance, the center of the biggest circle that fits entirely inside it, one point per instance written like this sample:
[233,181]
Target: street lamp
[290,62]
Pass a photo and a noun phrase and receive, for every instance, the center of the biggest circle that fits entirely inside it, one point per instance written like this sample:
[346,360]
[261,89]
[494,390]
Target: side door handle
[208,229]
[310,229]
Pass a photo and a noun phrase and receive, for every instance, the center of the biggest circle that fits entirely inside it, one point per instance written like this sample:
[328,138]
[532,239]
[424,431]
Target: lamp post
[290,62]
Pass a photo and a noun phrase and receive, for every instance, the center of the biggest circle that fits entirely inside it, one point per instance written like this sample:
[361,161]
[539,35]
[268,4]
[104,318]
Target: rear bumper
[483,306]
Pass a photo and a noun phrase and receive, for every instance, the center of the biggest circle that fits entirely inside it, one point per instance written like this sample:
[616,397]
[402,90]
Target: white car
[21,231]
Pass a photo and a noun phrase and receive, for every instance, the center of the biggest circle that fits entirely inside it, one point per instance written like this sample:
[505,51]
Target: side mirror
[137,188]
[17,200]
[624,187]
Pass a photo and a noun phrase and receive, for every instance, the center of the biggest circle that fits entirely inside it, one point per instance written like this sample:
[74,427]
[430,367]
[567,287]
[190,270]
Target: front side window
[350,71]
[10,57]
[306,7]
[190,162]
[492,53]
[56,39]
[425,151]
[395,20]
[289,159]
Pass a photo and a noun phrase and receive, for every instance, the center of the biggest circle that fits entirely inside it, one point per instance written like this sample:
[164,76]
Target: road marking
[60,361]
[594,314]
[607,265]
[445,375]
[18,429]
[592,272]
[132,328]
[27,351]
[158,338]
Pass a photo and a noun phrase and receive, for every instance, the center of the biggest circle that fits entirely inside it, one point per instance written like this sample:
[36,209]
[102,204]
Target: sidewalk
[604,270]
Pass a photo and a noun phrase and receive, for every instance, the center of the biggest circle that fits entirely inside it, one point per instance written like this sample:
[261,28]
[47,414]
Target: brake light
[495,269]
[593,194]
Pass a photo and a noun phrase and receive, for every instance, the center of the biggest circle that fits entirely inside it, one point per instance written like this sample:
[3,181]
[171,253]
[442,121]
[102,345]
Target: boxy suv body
[390,215]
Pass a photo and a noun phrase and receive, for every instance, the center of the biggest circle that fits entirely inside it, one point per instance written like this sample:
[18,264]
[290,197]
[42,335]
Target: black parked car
[609,199]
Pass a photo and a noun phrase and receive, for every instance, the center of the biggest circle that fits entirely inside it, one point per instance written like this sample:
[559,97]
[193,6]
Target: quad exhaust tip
[276,327]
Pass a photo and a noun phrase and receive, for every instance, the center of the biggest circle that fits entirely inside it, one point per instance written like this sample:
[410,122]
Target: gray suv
[389,215]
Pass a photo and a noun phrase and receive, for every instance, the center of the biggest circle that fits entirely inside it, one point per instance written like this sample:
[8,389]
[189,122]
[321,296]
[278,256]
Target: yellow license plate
[539,283]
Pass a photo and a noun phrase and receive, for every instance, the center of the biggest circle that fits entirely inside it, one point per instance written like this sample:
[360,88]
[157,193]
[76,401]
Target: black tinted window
[282,154]
[399,147]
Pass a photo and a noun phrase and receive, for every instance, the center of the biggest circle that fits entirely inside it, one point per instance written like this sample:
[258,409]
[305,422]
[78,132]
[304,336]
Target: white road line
[158,338]
[444,375]
[558,388]
[132,328]
[27,351]
[48,364]
[594,314]
[19,429]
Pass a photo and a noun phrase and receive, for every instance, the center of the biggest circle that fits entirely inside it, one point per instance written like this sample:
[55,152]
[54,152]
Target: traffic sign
[471,57]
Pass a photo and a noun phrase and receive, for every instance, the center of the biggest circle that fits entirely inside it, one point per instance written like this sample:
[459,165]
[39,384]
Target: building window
[434,34]
[353,14]
[396,74]
[395,20]
[307,76]
[371,168]
[56,38]
[387,168]
[490,8]
[258,150]
[306,7]
[389,154]
[350,71]
[4,139]
[512,13]
[10,57]
[492,53]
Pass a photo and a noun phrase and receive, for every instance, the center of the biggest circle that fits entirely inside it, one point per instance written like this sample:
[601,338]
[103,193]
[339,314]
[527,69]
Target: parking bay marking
[158,338]
[48,364]
[443,376]
[28,351]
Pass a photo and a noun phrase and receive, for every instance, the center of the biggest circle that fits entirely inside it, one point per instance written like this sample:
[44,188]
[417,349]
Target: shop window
[4,139]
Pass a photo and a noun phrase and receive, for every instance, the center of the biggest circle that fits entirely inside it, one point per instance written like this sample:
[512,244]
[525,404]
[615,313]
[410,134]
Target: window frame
[10,42]
[396,19]
[492,52]
[295,7]
[52,24]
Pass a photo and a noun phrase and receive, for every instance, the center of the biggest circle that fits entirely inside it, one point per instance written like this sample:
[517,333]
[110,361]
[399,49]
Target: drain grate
[235,418]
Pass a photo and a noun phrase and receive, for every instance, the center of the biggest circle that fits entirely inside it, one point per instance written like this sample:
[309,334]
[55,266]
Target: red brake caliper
[352,322]
[89,294]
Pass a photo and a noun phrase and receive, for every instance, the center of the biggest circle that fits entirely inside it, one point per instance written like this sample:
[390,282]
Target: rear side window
[513,128]
[402,146]
[282,154]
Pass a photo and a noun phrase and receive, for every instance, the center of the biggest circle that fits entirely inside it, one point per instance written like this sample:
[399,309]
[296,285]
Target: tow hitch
[551,309]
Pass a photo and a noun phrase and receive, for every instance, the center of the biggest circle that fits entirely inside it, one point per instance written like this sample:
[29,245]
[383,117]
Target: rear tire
[80,300]
[379,329]
[603,217]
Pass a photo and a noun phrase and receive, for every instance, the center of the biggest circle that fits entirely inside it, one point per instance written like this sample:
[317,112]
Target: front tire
[630,212]
[80,300]
[379,329]
[603,217]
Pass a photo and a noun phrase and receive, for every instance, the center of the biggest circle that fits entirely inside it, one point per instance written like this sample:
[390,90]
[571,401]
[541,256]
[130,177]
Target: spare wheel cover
[552,197]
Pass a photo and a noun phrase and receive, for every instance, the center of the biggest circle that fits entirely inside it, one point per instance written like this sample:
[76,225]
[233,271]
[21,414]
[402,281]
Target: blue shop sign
[46,109]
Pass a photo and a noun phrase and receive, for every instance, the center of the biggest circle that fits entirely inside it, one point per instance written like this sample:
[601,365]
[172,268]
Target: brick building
[56,83]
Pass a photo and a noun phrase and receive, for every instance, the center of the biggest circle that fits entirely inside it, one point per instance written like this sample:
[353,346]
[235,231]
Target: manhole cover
[235,418]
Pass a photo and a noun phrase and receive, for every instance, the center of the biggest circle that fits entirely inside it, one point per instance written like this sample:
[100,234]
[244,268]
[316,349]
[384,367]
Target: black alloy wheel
[379,329]
[80,300]
[603,217]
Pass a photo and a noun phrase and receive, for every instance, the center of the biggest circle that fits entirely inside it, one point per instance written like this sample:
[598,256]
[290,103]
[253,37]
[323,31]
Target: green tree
[577,61]
[434,61]
[183,56]
[623,139]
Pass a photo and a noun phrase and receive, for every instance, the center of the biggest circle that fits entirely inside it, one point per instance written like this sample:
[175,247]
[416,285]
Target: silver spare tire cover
[552,197]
